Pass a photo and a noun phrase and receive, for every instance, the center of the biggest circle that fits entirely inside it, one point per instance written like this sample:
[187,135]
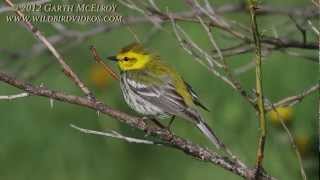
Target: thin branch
[315,30]
[316,3]
[246,67]
[15,96]
[114,134]
[301,56]
[234,82]
[241,48]
[259,90]
[292,100]
[213,42]
[204,55]
[98,59]
[307,11]
[188,45]
[300,28]
[134,34]
[66,69]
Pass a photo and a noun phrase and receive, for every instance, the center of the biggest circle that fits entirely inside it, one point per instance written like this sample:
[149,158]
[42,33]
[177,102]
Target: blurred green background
[37,142]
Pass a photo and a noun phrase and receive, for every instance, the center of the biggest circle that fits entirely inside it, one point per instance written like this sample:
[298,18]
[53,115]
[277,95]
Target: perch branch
[164,135]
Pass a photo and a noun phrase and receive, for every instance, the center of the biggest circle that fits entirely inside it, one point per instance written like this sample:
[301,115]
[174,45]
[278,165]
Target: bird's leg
[170,122]
[146,119]
[155,121]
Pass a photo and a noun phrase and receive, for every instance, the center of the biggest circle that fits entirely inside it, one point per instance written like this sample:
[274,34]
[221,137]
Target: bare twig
[241,48]
[213,42]
[315,30]
[189,46]
[292,100]
[200,52]
[234,82]
[16,96]
[301,56]
[114,134]
[259,90]
[134,34]
[316,3]
[98,59]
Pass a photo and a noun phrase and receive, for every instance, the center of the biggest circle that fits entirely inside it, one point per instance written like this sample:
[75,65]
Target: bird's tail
[206,130]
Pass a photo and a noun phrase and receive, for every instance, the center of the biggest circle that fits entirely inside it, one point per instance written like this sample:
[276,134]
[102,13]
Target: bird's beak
[112,58]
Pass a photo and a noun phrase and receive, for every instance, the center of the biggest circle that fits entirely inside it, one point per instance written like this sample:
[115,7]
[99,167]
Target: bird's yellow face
[132,57]
[132,60]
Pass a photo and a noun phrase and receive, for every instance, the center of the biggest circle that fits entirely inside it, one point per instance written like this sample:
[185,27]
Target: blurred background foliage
[37,143]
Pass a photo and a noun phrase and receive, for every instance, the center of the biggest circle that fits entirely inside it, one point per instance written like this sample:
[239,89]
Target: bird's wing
[160,92]
[164,96]
[195,97]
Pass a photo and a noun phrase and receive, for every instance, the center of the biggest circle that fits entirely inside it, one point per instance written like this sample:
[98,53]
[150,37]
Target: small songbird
[153,88]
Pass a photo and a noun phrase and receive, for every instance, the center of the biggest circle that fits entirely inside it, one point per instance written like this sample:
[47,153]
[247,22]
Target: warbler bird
[153,88]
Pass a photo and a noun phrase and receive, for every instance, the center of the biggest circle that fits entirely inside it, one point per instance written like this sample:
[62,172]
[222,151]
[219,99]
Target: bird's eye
[126,59]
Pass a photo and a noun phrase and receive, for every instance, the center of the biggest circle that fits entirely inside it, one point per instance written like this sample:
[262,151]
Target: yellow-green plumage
[161,69]
[151,87]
